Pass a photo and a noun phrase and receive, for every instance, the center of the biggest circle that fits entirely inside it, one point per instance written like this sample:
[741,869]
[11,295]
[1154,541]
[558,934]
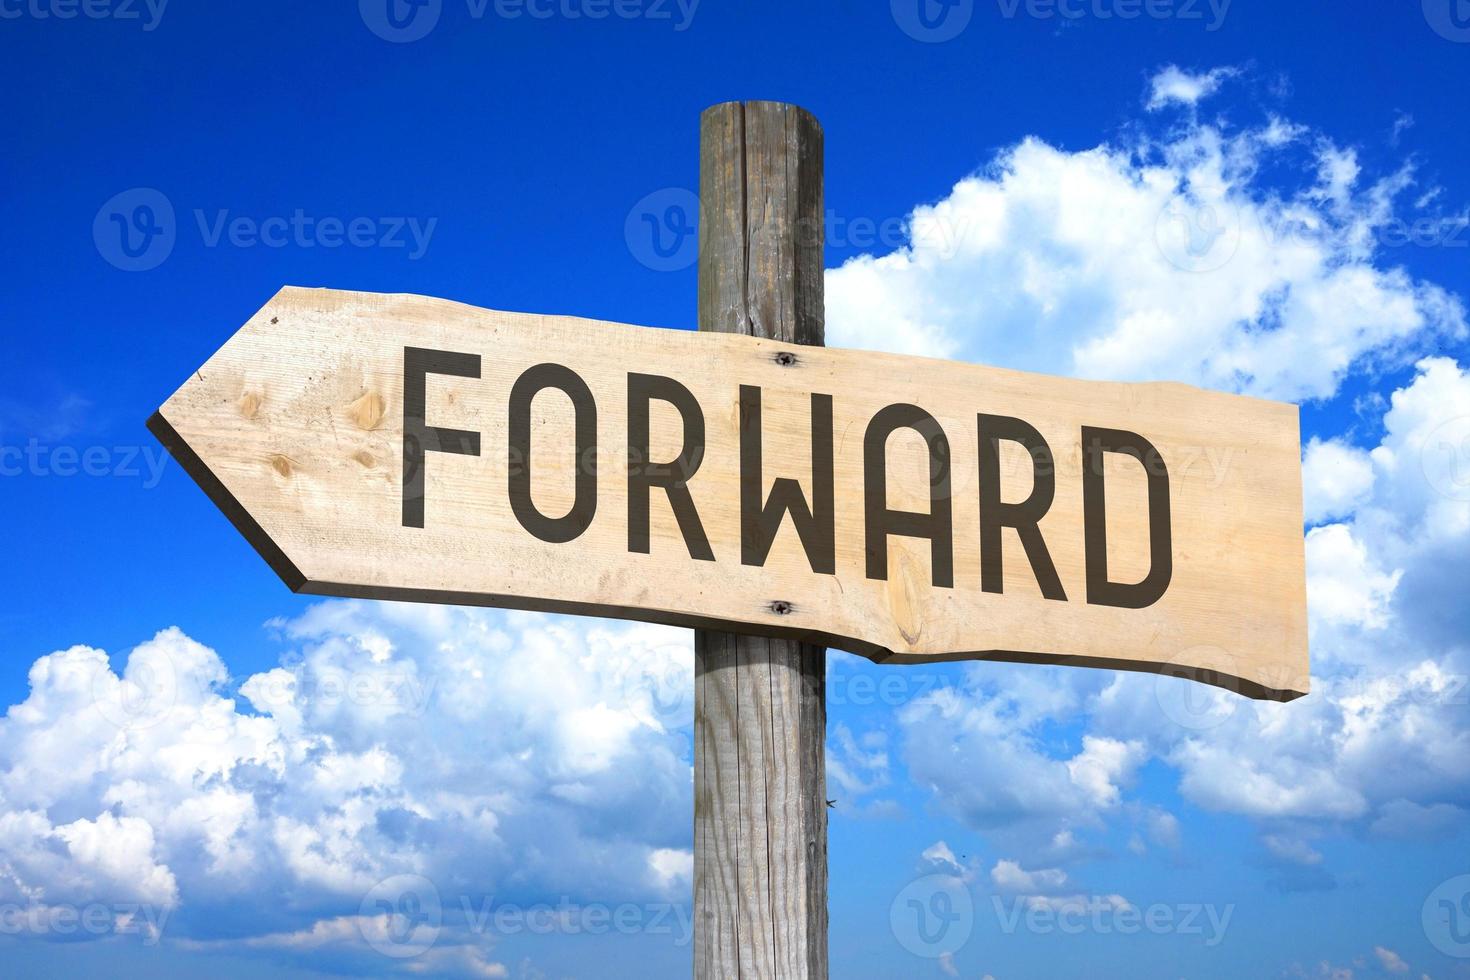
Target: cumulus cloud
[1155,257]
[856,769]
[487,753]
[982,750]
[1174,85]
[1080,905]
[1293,850]
[1336,478]
[75,864]
[1412,821]
[1102,765]
[939,855]
[1345,584]
[1390,960]
[1009,876]
[1164,829]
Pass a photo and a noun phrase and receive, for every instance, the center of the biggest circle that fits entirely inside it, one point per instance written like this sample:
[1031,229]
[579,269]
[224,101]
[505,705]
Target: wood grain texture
[760,818]
[273,427]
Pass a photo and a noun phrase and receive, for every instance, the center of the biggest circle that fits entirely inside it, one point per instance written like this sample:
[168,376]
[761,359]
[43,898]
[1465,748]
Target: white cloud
[1103,764]
[976,748]
[1336,479]
[1174,85]
[1343,583]
[74,863]
[1009,876]
[856,770]
[1150,258]
[449,743]
[375,942]
[1292,850]
[939,854]
[672,867]
[1408,820]
[1424,460]
[1164,829]
[1390,960]
[1218,775]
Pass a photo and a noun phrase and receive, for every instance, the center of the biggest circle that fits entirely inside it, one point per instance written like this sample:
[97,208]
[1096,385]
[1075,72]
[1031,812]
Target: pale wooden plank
[280,428]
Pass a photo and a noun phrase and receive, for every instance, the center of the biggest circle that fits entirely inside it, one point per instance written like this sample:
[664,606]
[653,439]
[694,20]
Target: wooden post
[760,714]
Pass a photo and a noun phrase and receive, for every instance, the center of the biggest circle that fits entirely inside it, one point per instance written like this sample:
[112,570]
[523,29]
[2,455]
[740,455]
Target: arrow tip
[201,474]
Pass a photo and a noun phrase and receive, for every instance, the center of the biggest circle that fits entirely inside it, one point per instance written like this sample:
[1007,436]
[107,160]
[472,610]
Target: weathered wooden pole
[760,714]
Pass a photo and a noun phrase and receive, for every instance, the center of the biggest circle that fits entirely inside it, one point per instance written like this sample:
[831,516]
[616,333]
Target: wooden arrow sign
[907,509]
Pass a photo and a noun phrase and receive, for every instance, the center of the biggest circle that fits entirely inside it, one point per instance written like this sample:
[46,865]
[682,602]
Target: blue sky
[1253,196]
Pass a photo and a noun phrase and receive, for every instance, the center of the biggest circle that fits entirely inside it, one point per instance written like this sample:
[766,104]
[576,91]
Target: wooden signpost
[793,496]
[398,447]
